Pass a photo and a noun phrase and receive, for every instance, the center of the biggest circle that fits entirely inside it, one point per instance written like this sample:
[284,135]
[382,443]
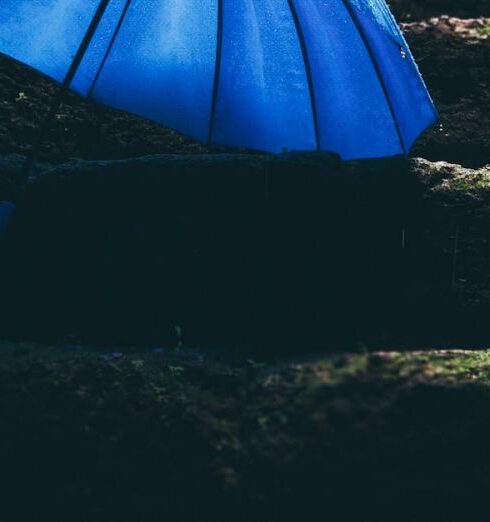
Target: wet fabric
[6,210]
[271,75]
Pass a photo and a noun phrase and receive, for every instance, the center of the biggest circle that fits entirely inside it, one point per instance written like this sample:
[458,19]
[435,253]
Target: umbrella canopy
[334,75]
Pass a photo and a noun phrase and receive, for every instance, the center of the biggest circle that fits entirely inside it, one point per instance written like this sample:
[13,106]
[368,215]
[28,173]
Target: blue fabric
[334,75]
[354,114]
[88,72]
[6,211]
[412,106]
[263,96]
[45,34]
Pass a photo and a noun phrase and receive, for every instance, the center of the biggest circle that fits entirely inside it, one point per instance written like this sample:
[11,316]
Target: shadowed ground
[168,435]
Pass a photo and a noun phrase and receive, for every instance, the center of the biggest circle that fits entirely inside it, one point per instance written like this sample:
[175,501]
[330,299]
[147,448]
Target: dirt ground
[185,436]
[454,57]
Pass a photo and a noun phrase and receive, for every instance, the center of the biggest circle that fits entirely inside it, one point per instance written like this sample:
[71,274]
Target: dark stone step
[244,249]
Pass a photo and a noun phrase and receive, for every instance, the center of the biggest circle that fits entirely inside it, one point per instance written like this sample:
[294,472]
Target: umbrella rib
[377,70]
[70,75]
[217,73]
[109,48]
[309,73]
[87,39]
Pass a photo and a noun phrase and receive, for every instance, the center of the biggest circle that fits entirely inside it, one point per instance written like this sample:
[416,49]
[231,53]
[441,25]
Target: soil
[185,436]
[454,57]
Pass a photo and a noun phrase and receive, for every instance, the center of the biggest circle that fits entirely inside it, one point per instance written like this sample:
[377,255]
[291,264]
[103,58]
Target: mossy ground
[90,434]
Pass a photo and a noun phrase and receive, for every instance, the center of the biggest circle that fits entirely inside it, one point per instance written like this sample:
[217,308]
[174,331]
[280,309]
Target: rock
[11,173]
[455,184]
[229,247]
[245,250]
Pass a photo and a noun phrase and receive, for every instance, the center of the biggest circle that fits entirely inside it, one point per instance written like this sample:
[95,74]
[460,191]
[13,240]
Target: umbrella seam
[414,65]
[87,39]
[217,73]
[109,49]
[377,70]
[309,72]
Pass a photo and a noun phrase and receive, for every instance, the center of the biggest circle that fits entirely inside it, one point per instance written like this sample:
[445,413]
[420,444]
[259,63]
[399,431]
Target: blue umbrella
[334,75]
